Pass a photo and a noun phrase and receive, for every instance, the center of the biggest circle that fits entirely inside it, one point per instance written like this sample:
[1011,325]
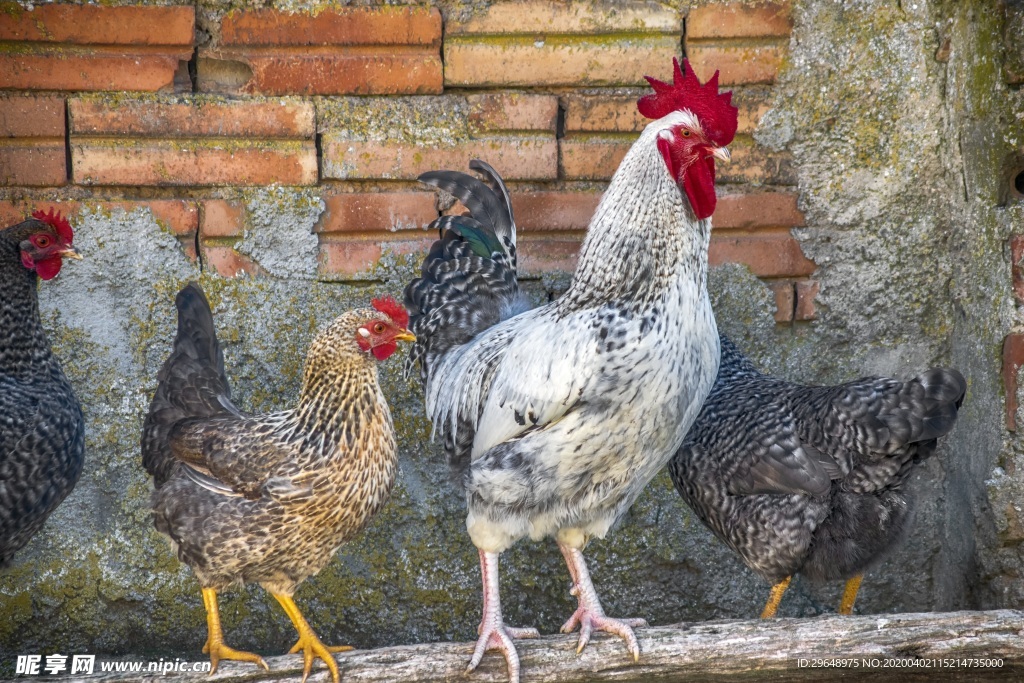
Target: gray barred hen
[809,479]
[42,432]
[555,419]
[270,498]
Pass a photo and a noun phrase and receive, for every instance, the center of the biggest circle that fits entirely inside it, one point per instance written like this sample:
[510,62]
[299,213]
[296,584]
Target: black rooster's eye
[379,328]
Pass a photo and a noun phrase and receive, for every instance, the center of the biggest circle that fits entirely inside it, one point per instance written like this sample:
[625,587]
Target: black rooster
[42,433]
[809,479]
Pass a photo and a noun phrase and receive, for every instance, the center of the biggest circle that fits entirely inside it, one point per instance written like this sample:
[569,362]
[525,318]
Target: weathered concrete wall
[903,134]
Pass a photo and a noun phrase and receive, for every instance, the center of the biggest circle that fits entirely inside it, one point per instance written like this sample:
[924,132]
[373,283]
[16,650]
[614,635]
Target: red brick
[738,64]
[557,61]
[191,162]
[99,25]
[767,253]
[227,262]
[785,299]
[31,116]
[737,20]
[527,158]
[541,254]
[347,259]
[618,113]
[591,157]
[33,164]
[806,291]
[377,211]
[222,219]
[1017,265]
[752,163]
[343,26]
[284,72]
[541,17]
[1013,359]
[757,210]
[554,210]
[513,111]
[40,70]
[190,117]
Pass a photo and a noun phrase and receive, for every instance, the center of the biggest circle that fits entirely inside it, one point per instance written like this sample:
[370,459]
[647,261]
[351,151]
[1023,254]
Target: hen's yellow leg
[309,643]
[850,594]
[778,590]
[215,646]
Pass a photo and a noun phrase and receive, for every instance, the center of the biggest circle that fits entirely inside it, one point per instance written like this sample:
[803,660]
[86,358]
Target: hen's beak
[405,335]
[71,252]
[722,154]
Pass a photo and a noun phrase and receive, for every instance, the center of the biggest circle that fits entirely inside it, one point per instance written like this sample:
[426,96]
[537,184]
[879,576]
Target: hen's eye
[378,328]
[686,133]
[42,241]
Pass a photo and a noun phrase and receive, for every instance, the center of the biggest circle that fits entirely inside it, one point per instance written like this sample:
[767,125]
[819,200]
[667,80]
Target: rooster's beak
[71,252]
[405,335]
[722,154]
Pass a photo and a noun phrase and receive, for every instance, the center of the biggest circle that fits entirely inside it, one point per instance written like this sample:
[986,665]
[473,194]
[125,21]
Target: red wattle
[383,351]
[47,269]
[699,184]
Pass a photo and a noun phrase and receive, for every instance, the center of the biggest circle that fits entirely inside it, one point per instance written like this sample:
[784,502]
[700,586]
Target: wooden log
[960,646]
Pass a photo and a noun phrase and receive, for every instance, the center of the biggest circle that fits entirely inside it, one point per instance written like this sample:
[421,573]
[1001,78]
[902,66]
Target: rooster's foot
[499,637]
[590,620]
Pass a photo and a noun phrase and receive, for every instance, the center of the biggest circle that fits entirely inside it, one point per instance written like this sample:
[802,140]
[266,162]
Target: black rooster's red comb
[391,308]
[714,110]
[58,222]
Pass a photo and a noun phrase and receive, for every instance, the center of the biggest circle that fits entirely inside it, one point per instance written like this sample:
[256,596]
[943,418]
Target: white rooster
[554,419]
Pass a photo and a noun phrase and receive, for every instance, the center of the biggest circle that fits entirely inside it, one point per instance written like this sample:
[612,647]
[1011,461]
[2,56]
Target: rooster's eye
[42,241]
[686,133]
[379,328]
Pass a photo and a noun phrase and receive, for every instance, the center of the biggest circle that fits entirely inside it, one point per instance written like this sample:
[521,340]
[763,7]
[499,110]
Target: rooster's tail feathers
[191,383]
[468,281]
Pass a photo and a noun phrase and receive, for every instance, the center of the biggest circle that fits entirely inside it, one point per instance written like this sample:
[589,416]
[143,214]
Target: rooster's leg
[775,598]
[850,594]
[590,615]
[215,646]
[494,634]
[308,642]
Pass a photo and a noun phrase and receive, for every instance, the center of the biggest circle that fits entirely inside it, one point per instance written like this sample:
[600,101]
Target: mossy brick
[216,162]
[351,212]
[40,163]
[221,218]
[191,116]
[43,68]
[768,253]
[98,24]
[806,293]
[519,158]
[536,17]
[753,210]
[554,210]
[740,20]
[179,216]
[505,111]
[31,116]
[737,64]
[334,26]
[576,61]
[226,262]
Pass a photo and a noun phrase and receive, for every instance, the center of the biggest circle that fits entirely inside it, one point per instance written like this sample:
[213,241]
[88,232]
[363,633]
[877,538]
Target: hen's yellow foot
[215,646]
[309,643]
[330,648]
[850,594]
[778,590]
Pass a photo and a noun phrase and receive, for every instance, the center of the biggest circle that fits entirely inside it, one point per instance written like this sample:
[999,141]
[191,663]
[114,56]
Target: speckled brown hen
[270,498]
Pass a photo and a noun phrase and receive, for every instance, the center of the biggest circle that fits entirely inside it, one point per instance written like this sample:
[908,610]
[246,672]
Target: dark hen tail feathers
[927,408]
[468,281]
[191,383]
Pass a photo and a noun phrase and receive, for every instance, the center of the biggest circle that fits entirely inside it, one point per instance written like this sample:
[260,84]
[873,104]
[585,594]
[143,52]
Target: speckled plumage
[266,498]
[42,431]
[810,479]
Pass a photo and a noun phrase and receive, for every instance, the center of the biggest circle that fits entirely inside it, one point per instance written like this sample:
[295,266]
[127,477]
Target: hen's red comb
[715,112]
[391,308]
[58,222]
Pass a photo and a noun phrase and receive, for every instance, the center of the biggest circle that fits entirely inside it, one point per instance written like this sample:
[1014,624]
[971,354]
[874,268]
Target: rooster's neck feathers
[24,349]
[630,267]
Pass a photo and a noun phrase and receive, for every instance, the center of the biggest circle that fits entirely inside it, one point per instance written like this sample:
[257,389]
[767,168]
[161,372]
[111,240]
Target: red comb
[715,112]
[391,308]
[58,222]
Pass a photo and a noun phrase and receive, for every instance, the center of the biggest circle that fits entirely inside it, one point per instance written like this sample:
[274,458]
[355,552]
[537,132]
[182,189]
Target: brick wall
[180,107]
